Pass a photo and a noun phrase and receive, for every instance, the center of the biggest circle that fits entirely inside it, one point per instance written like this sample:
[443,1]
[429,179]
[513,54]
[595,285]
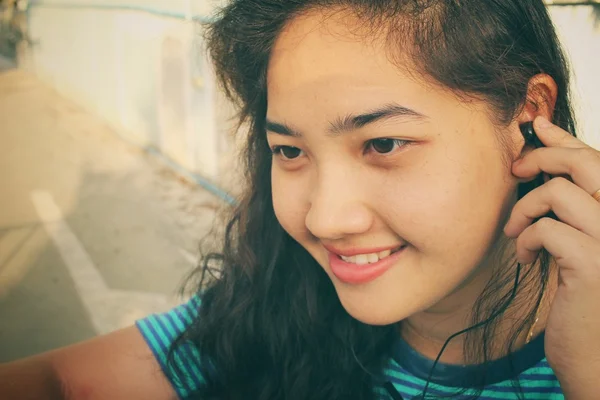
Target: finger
[581,164]
[571,204]
[574,251]
[554,136]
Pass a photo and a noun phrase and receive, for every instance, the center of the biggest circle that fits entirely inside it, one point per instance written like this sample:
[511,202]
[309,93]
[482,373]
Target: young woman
[398,238]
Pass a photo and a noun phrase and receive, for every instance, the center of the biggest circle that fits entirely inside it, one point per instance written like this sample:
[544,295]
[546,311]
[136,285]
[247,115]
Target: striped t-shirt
[405,375]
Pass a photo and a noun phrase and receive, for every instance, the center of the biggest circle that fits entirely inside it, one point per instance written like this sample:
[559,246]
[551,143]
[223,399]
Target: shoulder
[161,330]
[179,360]
[118,365]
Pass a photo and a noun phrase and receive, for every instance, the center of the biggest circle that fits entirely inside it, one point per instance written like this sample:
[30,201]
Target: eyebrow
[353,122]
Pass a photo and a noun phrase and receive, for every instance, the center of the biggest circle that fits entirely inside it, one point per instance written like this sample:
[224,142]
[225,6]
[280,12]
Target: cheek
[289,202]
[451,204]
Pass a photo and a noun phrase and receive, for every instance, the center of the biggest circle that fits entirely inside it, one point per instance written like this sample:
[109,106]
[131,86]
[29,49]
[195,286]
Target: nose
[337,206]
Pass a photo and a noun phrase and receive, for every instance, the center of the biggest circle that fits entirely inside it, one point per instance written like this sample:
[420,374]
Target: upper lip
[353,251]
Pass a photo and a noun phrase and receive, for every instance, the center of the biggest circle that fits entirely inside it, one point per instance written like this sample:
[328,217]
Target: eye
[385,145]
[287,153]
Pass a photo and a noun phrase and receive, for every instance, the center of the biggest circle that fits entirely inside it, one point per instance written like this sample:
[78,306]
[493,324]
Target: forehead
[323,64]
[317,47]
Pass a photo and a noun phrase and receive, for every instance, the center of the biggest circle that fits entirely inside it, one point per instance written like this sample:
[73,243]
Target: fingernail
[542,122]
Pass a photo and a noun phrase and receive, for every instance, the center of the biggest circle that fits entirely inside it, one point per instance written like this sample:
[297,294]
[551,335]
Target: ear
[542,92]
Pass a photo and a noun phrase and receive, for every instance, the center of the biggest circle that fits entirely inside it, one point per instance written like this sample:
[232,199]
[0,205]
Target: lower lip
[355,274]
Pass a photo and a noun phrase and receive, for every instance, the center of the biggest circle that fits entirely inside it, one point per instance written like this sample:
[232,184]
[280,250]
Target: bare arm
[29,379]
[116,366]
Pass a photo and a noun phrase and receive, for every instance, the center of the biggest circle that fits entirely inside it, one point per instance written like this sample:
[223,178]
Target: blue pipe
[124,7]
[197,179]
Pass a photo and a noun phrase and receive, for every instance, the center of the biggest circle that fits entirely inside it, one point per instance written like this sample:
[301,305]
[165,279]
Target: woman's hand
[572,339]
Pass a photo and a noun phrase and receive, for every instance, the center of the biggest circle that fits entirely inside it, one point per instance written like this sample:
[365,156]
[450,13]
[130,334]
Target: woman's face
[370,160]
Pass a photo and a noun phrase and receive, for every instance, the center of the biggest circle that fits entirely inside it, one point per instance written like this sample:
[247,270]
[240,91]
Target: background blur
[117,152]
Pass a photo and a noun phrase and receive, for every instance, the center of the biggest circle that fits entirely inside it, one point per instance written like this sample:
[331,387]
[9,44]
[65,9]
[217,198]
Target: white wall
[145,74]
[148,77]
[579,30]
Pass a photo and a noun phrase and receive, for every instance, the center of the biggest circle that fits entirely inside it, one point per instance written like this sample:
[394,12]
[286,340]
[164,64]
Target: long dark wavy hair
[270,322]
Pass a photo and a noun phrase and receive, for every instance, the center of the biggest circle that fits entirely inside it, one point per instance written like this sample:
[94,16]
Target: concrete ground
[94,233]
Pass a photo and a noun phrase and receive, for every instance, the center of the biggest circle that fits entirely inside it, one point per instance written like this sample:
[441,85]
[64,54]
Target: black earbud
[530,135]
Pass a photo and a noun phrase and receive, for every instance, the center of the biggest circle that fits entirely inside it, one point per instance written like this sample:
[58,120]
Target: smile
[370,258]
[362,268]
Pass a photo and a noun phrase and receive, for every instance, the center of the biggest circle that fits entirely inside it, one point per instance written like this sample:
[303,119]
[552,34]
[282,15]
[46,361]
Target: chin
[374,318]
[373,309]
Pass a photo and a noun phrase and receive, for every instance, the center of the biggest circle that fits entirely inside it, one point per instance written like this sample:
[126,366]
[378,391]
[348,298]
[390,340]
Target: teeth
[363,259]
[349,259]
[384,254]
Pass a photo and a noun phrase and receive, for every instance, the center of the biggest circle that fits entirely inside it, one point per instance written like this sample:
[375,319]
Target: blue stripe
[543,364]
[149,328]
[175,323]
[187,311]
[187,362]
[183,315]
[525,389]
[537,377]
[196,301]
[165,329]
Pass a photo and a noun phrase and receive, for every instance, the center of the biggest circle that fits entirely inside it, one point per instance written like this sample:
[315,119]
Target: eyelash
[277,150]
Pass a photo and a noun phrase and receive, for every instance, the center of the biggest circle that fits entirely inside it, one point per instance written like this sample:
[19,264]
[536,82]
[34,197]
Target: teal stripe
[196,301]
[540,383]
[156,331]
[143,325]
[179,324]
[190,310]
[500,395]
[188,359]
[187,314]
[184,377]
[166,329]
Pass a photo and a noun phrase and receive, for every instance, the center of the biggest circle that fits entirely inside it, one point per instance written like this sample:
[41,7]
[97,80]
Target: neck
[427,331]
